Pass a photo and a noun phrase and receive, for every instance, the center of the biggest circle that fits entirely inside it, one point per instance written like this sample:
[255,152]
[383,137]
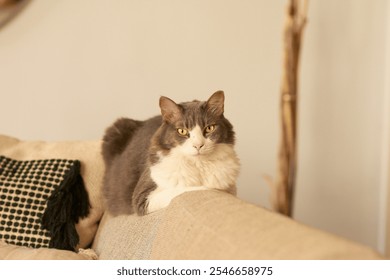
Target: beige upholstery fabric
[126,237]
[92,169]
[13,252]
[196,225]
[216,225]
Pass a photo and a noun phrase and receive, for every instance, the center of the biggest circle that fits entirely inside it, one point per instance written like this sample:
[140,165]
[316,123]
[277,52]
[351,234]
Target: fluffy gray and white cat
[148,163]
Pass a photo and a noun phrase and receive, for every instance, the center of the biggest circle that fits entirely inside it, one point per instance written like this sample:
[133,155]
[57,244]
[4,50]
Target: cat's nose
[198,147]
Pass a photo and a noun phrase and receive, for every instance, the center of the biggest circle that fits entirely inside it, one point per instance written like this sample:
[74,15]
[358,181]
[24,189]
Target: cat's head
[195,128]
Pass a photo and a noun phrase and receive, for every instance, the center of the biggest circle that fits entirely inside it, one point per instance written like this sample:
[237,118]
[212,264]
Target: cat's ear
[170,111]
[215,104]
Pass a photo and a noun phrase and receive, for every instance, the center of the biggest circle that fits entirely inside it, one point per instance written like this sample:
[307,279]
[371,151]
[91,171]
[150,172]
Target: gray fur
[131,147]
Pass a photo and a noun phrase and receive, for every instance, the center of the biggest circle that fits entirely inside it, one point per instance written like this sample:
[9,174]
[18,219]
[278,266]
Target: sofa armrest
[216,225]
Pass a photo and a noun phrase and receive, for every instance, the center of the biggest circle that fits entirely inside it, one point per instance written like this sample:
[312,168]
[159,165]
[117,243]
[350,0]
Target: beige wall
[343,119]
[384,235]
[68,68]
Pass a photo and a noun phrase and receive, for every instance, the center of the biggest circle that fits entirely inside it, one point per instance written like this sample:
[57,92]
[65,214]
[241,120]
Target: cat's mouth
[197,150]
[196,153]
[201,152]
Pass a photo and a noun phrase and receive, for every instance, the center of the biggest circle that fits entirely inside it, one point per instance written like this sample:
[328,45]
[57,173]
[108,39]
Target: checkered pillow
[40,201]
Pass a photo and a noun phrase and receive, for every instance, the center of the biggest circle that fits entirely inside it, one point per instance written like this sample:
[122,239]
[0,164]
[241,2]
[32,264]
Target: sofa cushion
[13,252]
[92,169]
[40,202]
[216,225]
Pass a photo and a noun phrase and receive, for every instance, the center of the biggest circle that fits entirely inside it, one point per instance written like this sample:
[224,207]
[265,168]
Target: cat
[189,147]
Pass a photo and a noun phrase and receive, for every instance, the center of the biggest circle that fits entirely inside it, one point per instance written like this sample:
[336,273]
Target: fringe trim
[66,205]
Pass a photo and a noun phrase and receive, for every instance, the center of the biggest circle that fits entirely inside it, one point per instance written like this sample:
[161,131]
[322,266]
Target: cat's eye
[182,131]
[210,128]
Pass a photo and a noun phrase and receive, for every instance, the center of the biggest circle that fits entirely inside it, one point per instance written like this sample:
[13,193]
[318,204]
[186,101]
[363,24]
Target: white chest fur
[177,173]
[218,170]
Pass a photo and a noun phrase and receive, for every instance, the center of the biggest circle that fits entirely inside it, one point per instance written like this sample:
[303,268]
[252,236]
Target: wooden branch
[284,184]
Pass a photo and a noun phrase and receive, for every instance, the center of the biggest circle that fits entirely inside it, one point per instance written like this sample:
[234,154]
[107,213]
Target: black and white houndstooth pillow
[40,202]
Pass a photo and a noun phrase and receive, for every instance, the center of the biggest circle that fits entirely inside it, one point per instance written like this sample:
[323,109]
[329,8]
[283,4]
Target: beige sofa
[196,225]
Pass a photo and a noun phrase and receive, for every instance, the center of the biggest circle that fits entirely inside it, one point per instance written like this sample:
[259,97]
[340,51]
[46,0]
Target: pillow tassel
[67,204]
